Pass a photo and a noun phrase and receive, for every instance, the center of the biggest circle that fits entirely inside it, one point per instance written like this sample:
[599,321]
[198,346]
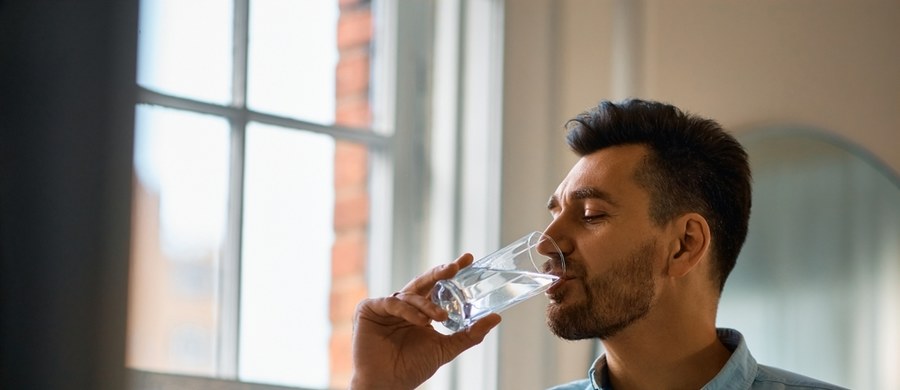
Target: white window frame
[378,141]
[466,158]
[448,63]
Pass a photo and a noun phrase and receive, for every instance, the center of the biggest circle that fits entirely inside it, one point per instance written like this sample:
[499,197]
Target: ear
[690,244]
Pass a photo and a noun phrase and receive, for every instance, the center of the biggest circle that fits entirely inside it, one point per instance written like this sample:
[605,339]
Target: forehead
[611,170]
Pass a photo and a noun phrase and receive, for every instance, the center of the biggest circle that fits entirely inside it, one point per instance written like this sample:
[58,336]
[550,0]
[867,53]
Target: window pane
[286,257]
[185,48]
[292,58]
[180,207]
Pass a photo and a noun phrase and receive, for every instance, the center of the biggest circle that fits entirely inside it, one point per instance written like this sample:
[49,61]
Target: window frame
[377,139]
[448,114]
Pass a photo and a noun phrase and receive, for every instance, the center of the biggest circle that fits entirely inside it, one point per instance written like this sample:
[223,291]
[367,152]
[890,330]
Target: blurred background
[196,194]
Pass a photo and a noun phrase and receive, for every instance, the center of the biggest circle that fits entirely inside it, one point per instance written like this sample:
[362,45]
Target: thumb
[472,336]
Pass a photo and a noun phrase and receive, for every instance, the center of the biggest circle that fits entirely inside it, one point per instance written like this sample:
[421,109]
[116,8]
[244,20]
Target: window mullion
[230,273]
[359,135]
[241,38]
[234,113]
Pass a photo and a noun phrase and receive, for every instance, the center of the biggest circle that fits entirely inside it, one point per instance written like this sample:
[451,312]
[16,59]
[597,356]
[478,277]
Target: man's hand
[394,345]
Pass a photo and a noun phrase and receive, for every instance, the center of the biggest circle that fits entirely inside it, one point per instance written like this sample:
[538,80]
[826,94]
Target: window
[273,139]
[255,152]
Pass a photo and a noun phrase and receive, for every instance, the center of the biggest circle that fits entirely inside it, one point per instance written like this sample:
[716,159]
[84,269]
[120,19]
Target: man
[650,220]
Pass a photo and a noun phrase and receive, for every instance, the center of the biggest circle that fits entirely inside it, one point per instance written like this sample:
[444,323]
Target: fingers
[472,336]
[406,311]
[425,305]
[413,303]
[423,284]
[475,333]
[415,309]
[387,311]
[464,261]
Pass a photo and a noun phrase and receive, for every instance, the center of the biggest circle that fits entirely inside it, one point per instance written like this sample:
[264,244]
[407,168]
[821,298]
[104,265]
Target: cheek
[600,258]
[660,261]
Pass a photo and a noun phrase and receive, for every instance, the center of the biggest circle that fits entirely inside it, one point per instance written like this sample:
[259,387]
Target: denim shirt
[739,373]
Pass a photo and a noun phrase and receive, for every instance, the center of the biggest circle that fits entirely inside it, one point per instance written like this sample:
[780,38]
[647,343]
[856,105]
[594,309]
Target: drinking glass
[499,280]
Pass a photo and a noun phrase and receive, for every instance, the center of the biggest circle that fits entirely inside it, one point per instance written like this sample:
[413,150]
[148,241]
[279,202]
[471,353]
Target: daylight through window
[251,206]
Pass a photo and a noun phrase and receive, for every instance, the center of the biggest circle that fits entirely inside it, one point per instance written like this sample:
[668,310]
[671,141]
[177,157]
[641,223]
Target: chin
[568,333]
[566,322]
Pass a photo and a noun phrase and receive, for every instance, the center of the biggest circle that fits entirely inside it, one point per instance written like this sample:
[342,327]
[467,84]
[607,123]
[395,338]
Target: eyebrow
[584,193]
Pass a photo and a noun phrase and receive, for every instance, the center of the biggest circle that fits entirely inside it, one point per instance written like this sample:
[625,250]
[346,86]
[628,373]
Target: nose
[549,247]
[555,231]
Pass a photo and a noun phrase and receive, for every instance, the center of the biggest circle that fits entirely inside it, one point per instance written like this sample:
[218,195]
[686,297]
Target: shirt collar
[739,371]
[599,374]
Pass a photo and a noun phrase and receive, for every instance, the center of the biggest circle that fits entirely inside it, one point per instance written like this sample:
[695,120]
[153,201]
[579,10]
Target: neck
[677,355]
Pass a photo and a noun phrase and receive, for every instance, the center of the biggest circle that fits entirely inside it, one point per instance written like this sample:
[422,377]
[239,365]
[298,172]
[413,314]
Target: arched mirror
[816,289]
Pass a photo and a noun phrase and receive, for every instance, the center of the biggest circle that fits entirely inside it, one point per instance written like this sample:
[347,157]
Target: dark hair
[693,165]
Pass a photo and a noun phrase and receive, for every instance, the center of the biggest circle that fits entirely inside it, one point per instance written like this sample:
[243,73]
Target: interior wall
[825,64]
[551,70]
[529,44]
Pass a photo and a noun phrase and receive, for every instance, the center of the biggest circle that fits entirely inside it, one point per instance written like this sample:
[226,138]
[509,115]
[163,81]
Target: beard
[614,300]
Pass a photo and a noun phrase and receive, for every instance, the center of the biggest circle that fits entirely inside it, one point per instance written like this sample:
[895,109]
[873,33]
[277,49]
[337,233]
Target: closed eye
[595,217]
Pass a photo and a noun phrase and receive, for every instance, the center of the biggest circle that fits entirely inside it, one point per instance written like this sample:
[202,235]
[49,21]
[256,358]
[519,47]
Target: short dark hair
[693,165]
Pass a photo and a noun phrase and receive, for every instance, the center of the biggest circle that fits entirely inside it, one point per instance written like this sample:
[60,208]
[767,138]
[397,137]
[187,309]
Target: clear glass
[293,56]
[500,280]
[179,221]
[185,48]
[288,232]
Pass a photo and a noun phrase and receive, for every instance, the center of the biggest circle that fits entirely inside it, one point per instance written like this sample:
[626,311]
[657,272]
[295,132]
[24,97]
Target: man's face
[601,223]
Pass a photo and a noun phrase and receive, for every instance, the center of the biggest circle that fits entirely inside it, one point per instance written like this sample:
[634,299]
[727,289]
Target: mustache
[554,265]
[563,268]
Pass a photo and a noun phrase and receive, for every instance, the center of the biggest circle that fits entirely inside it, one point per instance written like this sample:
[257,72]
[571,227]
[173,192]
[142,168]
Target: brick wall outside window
[351,214]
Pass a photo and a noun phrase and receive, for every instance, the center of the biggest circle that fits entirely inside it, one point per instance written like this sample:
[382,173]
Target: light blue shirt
[739,373]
